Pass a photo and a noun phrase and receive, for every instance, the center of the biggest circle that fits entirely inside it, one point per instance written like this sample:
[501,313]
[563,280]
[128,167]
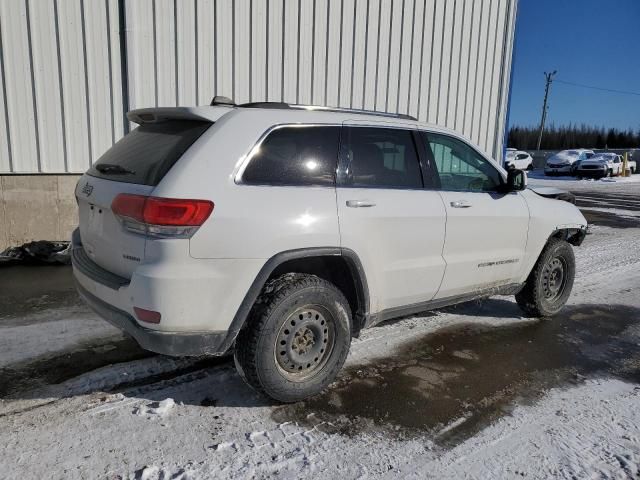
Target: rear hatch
[134,165]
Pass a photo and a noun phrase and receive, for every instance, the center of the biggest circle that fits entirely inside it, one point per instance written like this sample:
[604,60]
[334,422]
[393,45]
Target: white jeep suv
[278,232]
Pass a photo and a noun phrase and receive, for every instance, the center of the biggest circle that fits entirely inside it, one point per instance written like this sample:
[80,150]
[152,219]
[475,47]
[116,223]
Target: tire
[530,167]
[545,292]
[291,315]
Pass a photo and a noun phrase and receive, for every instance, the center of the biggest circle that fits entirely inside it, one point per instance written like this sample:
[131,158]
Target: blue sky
[592,42]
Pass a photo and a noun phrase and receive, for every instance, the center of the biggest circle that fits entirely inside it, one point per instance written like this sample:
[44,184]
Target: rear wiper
[112,168]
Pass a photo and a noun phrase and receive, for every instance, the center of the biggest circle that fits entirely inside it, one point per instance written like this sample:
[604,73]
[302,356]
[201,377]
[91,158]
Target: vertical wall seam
[413,31]
[326,54]
[250,50]
[400,56]
[366,48]
[282,53]
[175,51]
[233,50]
[375,91]
[433,37]
[508,40]
[386,99]
[298,54]
[33,85]
[6,106]
[484,72]
[215,48]
[491,84]
[455,107]
[195,48]
[453,29]
[110,68]
[466,87]
[56,25]
[444,22]
[424,21]
[313,50]
[266,57]
[353,53]
[124,64]
[340,52]
[86,80]
[155,50]
[475,86]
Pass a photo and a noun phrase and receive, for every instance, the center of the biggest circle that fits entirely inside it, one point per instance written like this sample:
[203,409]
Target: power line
[599,88]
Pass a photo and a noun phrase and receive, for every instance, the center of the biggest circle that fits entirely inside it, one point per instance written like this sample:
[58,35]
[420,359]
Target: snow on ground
[160,418]
[537,177]
[22,342]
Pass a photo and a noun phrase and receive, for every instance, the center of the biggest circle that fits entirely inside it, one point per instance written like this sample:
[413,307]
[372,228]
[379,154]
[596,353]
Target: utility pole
[549,77]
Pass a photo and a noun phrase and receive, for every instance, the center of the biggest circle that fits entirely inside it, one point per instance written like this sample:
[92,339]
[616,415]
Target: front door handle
[360,203]
[460,204]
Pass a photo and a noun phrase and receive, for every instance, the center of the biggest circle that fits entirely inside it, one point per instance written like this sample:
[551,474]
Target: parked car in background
[632,165]
[518,159]
[601,165]
[561,163]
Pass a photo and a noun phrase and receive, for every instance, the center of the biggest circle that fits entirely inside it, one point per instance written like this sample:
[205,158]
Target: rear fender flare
[355,267]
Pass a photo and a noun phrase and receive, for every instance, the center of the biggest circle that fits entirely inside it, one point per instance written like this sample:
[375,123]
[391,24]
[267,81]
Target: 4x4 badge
[87,189]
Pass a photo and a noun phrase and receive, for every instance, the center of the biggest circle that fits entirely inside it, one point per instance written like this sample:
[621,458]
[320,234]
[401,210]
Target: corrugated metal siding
[443,61]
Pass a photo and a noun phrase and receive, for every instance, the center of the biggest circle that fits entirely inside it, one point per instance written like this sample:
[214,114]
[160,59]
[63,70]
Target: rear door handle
[360,203]
[460,204]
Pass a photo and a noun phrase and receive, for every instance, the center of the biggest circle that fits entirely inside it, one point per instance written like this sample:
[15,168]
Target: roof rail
[282,105]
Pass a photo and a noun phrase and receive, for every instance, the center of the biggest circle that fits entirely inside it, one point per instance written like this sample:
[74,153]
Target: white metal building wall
[63,93]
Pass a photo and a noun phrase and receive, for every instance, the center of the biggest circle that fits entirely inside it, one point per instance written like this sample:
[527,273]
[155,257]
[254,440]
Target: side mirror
[516,180]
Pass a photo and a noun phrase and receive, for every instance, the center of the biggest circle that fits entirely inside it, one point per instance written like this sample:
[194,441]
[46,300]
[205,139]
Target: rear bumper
[167,343]
[198,299]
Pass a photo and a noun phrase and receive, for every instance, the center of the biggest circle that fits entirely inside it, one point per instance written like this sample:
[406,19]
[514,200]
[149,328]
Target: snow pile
[156,409]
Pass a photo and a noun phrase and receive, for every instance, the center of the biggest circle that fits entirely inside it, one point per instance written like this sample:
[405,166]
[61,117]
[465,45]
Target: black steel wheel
[296,339]
[305,342]
[549,284]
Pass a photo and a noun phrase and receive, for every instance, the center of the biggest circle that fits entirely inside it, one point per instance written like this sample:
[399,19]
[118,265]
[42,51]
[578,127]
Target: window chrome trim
[247,157]
[489,160]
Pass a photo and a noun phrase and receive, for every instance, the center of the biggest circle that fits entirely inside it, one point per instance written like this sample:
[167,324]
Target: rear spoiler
[161,114]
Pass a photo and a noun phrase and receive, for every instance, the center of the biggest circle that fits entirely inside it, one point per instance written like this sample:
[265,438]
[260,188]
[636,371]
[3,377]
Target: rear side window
[381,157]
[145,155]
[295,156]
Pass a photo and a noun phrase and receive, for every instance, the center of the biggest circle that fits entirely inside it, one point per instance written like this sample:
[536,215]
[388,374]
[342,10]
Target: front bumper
[564,170]
[592,173]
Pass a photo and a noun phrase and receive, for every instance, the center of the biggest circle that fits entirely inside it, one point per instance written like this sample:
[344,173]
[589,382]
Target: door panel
[486,230]
[399,242]
[396,227]
[485,240]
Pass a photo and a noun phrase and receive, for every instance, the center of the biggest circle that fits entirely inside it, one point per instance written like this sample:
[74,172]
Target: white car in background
[518,159]
[601,165]
[562,162]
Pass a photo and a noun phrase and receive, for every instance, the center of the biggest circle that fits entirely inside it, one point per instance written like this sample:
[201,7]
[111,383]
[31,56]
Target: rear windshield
[145,155]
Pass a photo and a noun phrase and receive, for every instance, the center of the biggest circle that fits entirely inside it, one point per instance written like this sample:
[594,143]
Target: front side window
[459,166]
[295,156]
[381,157]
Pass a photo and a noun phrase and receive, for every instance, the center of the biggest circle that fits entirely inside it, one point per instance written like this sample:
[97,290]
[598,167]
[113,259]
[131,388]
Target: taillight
[161,217]
[148,316]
